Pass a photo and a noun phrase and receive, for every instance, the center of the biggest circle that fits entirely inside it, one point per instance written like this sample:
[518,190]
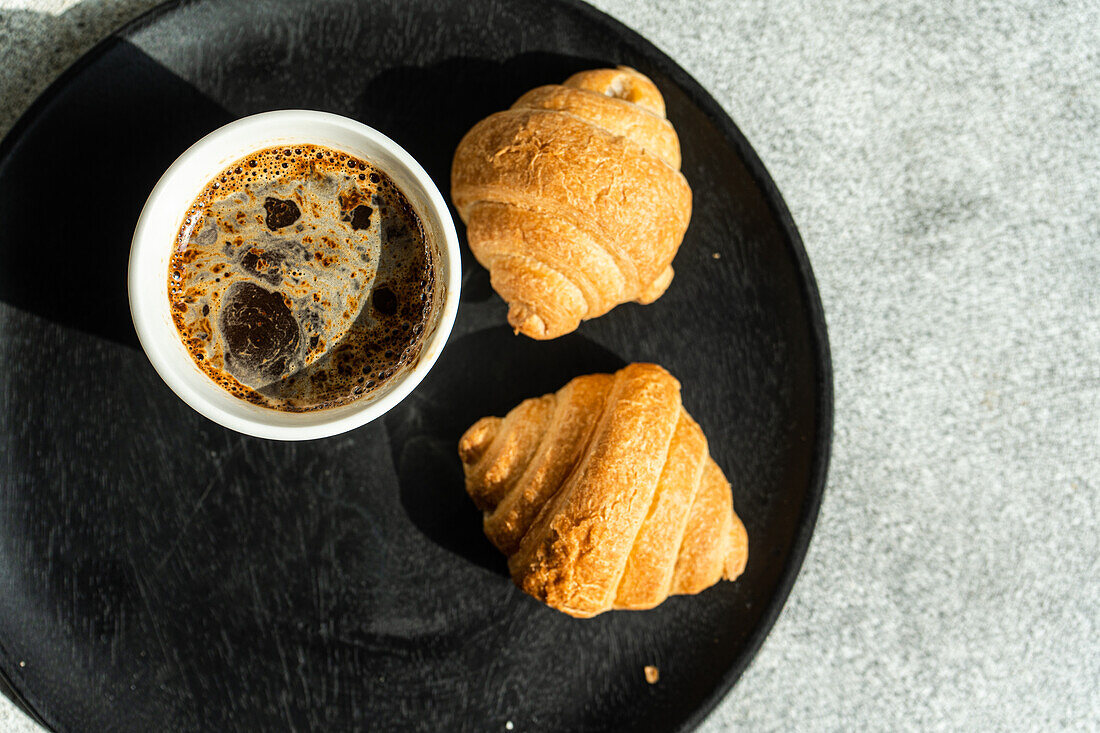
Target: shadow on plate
[485,373]
[72,186]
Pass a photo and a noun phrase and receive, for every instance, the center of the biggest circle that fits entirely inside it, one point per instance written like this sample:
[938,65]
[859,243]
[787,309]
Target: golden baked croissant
[604,495]
[573,199]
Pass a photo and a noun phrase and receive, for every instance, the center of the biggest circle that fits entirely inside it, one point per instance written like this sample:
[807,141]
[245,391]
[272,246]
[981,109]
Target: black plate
[160,573]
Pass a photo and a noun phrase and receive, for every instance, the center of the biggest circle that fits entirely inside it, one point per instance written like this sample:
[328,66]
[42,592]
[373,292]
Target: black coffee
[301,279]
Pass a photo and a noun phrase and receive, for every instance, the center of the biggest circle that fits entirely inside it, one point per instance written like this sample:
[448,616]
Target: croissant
[573,199]
[603,495]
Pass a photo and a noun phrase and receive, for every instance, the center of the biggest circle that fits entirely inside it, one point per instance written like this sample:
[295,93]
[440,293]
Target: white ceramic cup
[162,217]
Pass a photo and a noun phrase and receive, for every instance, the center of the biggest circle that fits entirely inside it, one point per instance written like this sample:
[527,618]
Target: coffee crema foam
[302,279]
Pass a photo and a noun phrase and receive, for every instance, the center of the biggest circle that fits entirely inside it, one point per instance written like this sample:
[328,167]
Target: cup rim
[274,128]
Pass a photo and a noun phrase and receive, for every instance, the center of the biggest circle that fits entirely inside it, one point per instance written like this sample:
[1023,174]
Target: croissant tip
[528,323]
[476,439]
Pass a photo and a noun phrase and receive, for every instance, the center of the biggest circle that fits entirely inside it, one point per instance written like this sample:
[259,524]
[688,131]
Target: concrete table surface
[943,166]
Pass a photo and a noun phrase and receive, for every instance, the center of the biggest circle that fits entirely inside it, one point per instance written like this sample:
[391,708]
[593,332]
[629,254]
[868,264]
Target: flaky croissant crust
[573,199]
[603,495]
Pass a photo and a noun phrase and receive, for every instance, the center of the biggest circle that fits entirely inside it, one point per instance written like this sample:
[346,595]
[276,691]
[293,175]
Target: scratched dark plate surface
[160,573]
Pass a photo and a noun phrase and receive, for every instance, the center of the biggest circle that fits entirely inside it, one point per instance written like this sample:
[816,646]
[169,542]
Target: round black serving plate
[158,572]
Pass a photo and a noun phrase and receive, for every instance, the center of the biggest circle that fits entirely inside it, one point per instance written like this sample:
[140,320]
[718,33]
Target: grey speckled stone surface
[944,169]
